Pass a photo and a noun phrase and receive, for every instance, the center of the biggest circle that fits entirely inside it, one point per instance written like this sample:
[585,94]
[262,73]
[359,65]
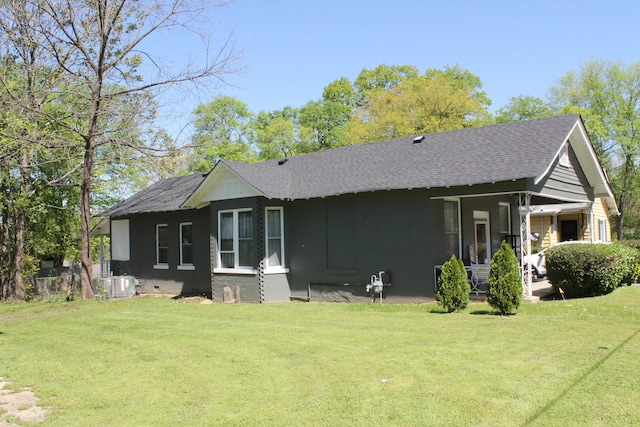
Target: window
[505,218]
[186,245]
[602,228]
[275,240]
[162,246]
[235,239]
[452,226]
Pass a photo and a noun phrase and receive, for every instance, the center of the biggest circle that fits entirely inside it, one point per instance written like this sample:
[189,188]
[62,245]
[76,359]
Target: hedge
[583,270]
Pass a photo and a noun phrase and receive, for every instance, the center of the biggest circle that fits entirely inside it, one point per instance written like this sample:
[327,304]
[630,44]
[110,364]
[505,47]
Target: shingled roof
[471,156]
[489,154]
[165,195]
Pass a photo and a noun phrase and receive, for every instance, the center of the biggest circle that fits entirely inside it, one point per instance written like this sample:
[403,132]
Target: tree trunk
[619,221]
[18,288]
[86,270]
[19,291]
[4,254]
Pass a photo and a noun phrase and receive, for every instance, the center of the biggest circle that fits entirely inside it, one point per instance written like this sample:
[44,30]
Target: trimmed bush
[586,270]
[453,288]
[629,258]
[505,284]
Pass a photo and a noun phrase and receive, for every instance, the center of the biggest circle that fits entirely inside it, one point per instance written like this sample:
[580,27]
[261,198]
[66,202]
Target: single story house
[321,224]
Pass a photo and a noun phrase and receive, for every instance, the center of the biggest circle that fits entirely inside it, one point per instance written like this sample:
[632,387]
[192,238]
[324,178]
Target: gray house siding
[567,181]
[142,240]
[275,288]
[385,230]
[247,285]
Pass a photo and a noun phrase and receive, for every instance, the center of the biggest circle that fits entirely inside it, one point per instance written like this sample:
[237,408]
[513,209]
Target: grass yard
[160,362]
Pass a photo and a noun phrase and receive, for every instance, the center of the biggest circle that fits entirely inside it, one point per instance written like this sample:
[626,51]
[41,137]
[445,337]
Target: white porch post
[102,273]
[592,230]
[525,238]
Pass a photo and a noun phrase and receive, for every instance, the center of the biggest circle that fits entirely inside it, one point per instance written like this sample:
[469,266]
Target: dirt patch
[21,405]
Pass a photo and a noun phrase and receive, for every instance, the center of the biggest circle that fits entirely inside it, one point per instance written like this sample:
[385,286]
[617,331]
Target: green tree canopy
[524,107]
[607,95]
[438,101]
[222,131]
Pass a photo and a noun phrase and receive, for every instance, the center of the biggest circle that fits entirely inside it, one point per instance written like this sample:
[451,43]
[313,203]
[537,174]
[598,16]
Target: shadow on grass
[580,379]
[484,313]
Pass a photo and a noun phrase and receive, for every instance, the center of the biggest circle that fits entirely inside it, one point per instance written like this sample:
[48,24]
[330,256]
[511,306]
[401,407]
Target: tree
[31,155]
[98,46]
[524,107]
[382,78]
[453,287]
[222,131]
[607,95]
[504,292]
[438,101]
[280,134]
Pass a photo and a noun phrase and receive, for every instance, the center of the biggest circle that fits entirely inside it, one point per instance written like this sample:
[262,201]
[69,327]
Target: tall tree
[524,107]
[280,134]
[438,101]
[98,45]
[222,131]
[27,84]
[607,95]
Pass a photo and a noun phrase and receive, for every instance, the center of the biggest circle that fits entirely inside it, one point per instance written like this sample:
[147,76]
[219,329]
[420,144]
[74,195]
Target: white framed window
[186,246]
[602,229]
[452,226]
[505,218]
[274,236]
[235,240]
[162,247]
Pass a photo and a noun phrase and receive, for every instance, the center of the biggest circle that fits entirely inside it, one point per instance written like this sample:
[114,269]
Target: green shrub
[584,270]
[453,288]
[632,243]
[505,284]
[629,257]
[635,268]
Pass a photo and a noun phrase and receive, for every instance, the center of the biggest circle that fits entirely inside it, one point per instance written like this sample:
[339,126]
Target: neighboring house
[312,223]
[571,221]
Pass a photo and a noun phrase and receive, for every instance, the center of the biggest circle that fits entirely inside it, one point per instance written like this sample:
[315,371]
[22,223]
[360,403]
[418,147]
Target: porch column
[525,238]
[102,273]
[592,230]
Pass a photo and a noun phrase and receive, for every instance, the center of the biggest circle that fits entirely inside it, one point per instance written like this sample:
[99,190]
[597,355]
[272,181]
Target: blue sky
[294,48]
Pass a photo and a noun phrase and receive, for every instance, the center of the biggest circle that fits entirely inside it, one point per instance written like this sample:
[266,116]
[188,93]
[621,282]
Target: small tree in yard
[505,285]
[453,288]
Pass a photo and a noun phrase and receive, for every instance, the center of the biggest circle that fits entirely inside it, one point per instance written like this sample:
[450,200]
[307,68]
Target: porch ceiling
[556,209]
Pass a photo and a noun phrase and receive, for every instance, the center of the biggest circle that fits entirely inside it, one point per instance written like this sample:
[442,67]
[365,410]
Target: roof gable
[222,183]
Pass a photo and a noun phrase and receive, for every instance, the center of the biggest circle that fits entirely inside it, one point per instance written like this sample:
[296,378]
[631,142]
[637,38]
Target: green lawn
[160,362]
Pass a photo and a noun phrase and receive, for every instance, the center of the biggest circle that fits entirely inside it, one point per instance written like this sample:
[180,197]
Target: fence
[66,287]
[58,287]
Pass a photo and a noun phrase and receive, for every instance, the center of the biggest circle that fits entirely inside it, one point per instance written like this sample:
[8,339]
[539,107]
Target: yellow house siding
[600,210]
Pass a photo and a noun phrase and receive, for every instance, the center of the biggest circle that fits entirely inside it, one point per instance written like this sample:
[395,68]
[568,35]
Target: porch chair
[479,276]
